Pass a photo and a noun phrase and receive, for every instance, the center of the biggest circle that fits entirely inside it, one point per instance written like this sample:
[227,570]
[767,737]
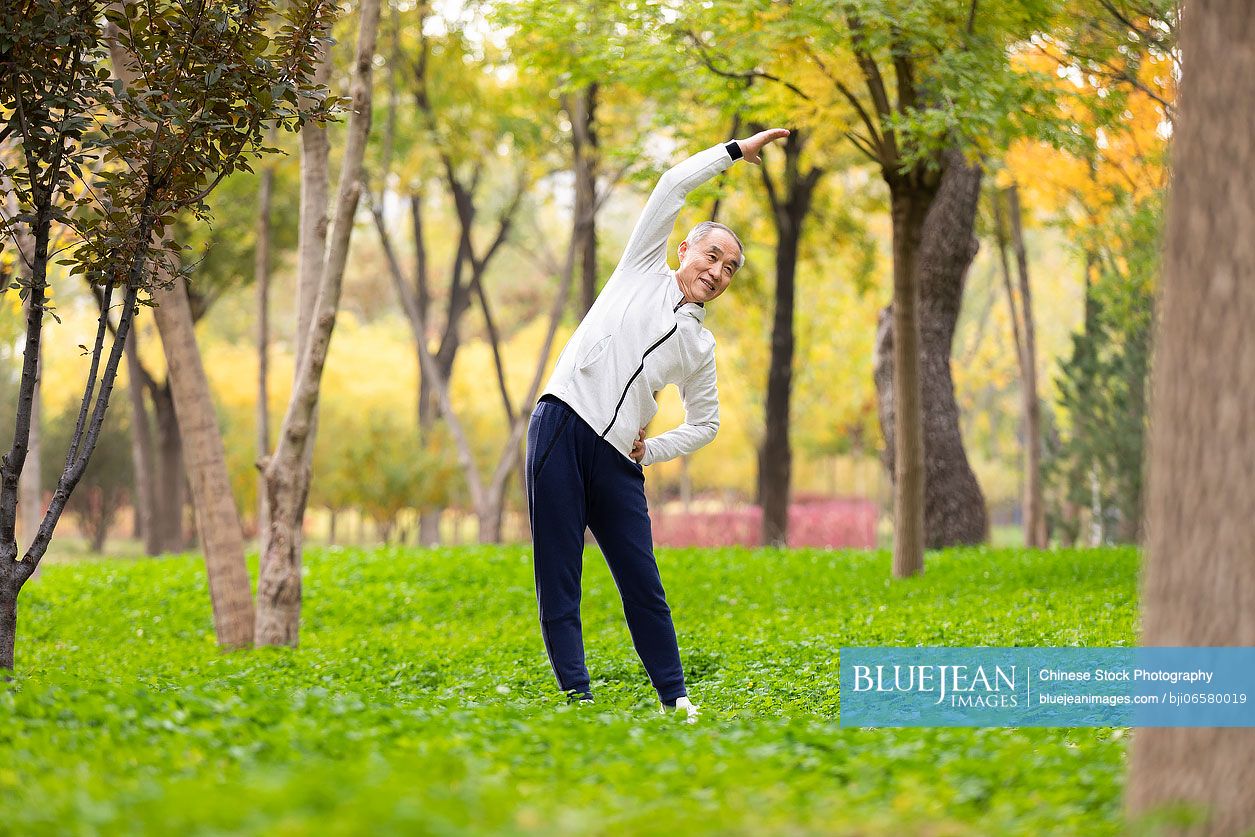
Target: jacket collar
[696,310]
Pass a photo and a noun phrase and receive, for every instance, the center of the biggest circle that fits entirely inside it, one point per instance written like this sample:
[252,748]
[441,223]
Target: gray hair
[705,228]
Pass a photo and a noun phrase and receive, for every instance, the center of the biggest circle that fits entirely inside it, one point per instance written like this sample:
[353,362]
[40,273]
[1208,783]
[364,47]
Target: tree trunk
[30,499]
[99,525]
[217,518]
[902,418]
[581,109]
[775,455]
[168,503]
[287,471]
[429,527]
[261,271]
[429,519]
[1034,506]
[311,252]
[142,451]
[311,243]
[428,409]
[490,517]
[8,620]
[954,505]
[686,485]
[1198,586]
[933,228]
[30,483]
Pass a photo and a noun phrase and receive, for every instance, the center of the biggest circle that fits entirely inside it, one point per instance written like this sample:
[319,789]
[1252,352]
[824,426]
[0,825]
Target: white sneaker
[684,704]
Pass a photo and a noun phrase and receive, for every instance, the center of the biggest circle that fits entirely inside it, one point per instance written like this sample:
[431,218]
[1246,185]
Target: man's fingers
[751,148]
[764,137]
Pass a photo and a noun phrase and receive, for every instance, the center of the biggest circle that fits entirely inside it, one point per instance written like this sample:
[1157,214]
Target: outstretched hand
[751,148]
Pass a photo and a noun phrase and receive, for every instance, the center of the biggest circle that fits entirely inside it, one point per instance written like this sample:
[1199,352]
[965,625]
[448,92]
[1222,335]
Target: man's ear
[684,246]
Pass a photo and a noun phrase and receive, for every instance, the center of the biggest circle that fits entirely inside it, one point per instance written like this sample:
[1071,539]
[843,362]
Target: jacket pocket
[595,352]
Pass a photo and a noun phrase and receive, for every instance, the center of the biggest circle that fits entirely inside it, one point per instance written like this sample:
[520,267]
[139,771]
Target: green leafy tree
[112,165]
[1095,460]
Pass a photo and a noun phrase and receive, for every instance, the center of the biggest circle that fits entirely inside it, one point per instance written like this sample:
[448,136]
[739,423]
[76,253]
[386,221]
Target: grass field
[420,701]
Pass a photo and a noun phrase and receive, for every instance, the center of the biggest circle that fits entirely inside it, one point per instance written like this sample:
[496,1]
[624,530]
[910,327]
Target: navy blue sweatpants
[576,479]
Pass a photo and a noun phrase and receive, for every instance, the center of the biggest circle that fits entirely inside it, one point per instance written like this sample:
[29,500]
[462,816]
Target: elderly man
[586,445]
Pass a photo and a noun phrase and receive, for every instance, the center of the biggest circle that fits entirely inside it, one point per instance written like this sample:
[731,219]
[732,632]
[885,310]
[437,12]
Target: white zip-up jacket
[640,335]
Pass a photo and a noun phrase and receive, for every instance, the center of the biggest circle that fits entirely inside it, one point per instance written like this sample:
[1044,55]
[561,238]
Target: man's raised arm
[646,250]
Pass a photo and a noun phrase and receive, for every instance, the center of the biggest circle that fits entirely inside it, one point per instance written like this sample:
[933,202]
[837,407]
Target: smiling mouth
[708,285]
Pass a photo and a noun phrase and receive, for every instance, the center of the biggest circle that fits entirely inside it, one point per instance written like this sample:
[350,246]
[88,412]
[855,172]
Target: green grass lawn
[421,701]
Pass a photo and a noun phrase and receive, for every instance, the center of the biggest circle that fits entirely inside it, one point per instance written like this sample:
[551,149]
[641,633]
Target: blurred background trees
[496,126]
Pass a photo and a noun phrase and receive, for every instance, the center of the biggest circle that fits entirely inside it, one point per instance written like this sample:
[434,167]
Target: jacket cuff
[648,458]
[734,149]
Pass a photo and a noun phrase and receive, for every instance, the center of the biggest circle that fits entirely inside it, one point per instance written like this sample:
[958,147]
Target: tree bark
[8,622]
[311,242]
[581,108]
[775,455]
[1034,505]
[261,271]
[217,518]
[429,519]
[905,414]
[1198,586]
[171,475]
[287,471]
[311,256]
[30,484]
[142,452]
[933,241]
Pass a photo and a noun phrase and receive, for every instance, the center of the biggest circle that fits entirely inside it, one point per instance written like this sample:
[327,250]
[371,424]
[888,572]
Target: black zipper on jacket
[640,369]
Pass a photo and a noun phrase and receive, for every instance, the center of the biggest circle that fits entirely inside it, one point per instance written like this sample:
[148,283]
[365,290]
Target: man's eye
[710,256]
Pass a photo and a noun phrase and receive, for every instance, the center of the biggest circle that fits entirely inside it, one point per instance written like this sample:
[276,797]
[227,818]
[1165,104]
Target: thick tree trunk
[279,583]
[217,518]
[906,439]
[934,230]
[287,471]
[142,451]
[1198,586]
[1034,504]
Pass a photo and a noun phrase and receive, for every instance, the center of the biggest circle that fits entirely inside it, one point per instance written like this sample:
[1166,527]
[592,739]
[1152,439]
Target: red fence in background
[824,523]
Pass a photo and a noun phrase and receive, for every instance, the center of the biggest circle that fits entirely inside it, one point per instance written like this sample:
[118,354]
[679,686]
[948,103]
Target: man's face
[706,267]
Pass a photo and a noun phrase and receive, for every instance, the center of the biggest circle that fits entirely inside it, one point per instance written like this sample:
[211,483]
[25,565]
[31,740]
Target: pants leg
[556,503]
[619,518]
